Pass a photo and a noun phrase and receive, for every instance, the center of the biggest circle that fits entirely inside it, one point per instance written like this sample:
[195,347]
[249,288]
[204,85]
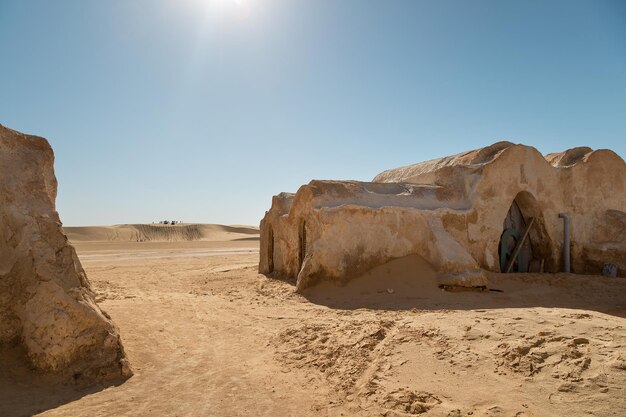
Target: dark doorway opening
[302,239]
[535,254]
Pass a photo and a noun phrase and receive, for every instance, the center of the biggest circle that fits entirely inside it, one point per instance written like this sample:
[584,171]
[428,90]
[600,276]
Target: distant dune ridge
[160,233]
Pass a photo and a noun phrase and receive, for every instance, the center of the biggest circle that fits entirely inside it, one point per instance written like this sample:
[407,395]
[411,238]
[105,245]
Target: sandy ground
[208,336]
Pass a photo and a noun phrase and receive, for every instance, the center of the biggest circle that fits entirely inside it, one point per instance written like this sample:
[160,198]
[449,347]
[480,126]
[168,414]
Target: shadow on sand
[411,283]
[250,239]
[608,298]
[24,392]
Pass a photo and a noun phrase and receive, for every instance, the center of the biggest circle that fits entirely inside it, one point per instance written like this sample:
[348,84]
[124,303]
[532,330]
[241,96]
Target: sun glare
[224,3]
[210,6]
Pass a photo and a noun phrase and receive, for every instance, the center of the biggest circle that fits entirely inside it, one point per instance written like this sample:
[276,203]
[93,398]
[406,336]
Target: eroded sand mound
[409,277]
[47,309]
[161,233]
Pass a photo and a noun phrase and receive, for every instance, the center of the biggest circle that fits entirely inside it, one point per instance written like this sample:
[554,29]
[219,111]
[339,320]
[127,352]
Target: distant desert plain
[206,335]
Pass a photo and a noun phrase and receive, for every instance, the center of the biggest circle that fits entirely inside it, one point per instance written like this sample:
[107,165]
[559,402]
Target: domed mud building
[502,207]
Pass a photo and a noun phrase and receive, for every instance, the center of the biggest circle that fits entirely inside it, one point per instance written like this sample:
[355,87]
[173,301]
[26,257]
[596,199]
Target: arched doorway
[535,254]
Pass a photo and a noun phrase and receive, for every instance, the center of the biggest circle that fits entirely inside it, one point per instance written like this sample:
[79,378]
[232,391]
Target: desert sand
[208,336]
[182,232]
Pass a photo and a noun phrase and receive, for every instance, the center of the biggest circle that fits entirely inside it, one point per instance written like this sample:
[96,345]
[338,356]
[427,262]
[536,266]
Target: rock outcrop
[453,212]
[47,308]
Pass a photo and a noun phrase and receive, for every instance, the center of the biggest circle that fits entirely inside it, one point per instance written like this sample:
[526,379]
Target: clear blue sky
[202,110]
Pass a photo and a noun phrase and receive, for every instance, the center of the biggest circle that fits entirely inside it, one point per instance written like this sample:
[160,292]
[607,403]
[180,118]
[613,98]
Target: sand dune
[410,277]
[161,233]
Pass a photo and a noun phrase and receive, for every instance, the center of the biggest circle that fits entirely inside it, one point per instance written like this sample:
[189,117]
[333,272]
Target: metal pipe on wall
[566,243]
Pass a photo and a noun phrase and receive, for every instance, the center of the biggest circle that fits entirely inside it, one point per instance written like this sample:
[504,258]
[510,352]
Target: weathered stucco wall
[46,303]
[451,212]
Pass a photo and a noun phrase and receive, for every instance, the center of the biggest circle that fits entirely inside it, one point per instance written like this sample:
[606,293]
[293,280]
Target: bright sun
[212,5]
[235,2]
[227,2]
